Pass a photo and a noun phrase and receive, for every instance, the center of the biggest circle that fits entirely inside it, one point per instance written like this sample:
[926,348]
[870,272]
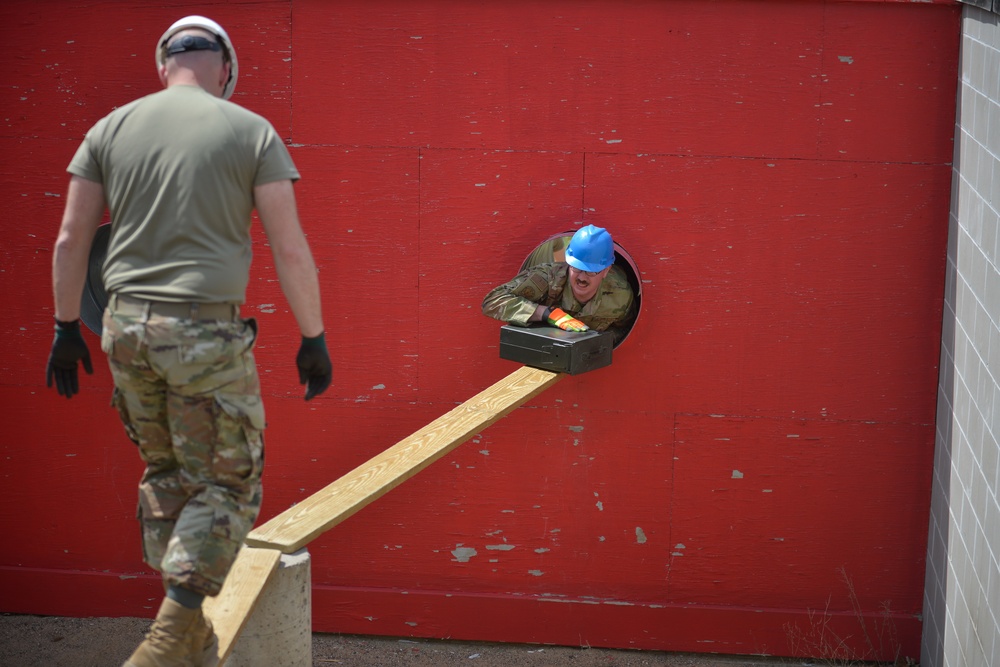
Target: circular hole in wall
[553,249]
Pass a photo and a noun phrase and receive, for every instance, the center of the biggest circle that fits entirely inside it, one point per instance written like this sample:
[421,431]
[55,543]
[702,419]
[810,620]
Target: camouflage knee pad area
[189,396]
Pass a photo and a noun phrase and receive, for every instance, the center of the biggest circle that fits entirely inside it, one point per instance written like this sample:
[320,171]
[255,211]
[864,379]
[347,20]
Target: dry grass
[878,636]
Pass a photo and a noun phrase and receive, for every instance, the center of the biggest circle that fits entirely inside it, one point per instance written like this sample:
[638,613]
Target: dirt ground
[37,641]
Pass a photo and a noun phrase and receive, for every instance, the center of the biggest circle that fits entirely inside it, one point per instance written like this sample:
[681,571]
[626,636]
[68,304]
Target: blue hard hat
[591,249]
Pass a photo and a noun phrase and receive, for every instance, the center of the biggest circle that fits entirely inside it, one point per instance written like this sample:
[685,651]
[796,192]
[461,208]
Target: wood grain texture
[296,527]
[594,621]
[52,97]
[231,608]
[692,78]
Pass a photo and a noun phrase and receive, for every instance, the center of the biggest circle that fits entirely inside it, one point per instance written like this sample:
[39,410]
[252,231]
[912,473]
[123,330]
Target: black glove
[67,348]
[314,365]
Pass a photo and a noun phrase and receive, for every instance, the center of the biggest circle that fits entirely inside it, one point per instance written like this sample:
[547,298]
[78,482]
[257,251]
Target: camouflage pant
[189,396]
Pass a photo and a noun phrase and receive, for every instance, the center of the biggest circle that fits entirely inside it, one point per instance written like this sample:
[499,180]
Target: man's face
[585,284]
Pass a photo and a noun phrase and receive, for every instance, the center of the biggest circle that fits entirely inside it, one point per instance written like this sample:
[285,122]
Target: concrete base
[279,632]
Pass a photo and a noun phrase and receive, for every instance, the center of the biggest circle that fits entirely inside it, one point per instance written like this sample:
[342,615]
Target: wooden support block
[231,608]
[300,524]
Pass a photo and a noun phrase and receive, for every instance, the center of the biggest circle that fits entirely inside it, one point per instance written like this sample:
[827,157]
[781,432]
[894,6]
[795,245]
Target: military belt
[124,304]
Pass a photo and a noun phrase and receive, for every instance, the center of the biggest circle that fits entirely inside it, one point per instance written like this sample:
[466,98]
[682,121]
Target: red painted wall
[779,171]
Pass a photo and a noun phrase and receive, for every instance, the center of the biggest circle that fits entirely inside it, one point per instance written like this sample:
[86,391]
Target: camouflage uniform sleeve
[515,301]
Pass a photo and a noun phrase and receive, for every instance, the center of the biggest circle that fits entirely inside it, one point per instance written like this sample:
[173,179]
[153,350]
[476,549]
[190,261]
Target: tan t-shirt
[178,168]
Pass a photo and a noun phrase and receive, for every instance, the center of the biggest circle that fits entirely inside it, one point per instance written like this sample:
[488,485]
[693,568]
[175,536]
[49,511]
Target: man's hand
[314,365]
[68,347]
[560,318]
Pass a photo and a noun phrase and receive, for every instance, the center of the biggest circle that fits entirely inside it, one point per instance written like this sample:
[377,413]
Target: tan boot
[180,637]
[205,646]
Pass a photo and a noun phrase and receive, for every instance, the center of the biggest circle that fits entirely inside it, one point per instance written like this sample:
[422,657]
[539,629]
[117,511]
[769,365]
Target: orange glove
[560,318]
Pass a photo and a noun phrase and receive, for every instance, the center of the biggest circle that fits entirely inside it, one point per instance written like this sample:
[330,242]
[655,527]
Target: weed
[826,640]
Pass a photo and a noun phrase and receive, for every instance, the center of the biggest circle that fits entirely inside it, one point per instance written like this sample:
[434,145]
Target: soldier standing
[181,171]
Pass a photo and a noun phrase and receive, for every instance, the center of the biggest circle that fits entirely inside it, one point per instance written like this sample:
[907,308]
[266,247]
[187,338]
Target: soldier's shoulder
[617,279]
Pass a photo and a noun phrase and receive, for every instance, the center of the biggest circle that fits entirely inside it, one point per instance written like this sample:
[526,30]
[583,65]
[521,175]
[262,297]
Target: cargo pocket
[238,454]
[156,535]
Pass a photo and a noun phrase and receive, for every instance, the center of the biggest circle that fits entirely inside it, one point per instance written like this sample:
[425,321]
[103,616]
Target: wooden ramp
[231,608]
[300,524]
[297,526]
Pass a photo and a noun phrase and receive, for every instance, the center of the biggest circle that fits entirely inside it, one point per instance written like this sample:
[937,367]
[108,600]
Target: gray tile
[991,294]
[977,65]
[991,72]
[988,241]
[992,140]
[991,525]
[995,176]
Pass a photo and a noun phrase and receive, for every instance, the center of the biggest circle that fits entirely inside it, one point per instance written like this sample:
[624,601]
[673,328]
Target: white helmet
[215,29]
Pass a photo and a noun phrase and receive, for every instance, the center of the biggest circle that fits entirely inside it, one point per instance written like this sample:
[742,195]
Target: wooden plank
[230,610]
[298,525]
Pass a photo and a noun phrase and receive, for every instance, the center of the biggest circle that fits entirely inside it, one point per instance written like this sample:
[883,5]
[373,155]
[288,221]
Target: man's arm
[297,274]
[81,218]
[70,256]
[520,300]
[292,258]
[523,300]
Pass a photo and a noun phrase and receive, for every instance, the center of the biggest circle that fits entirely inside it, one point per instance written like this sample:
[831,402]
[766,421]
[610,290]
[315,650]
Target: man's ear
[162,72]
[227,68]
